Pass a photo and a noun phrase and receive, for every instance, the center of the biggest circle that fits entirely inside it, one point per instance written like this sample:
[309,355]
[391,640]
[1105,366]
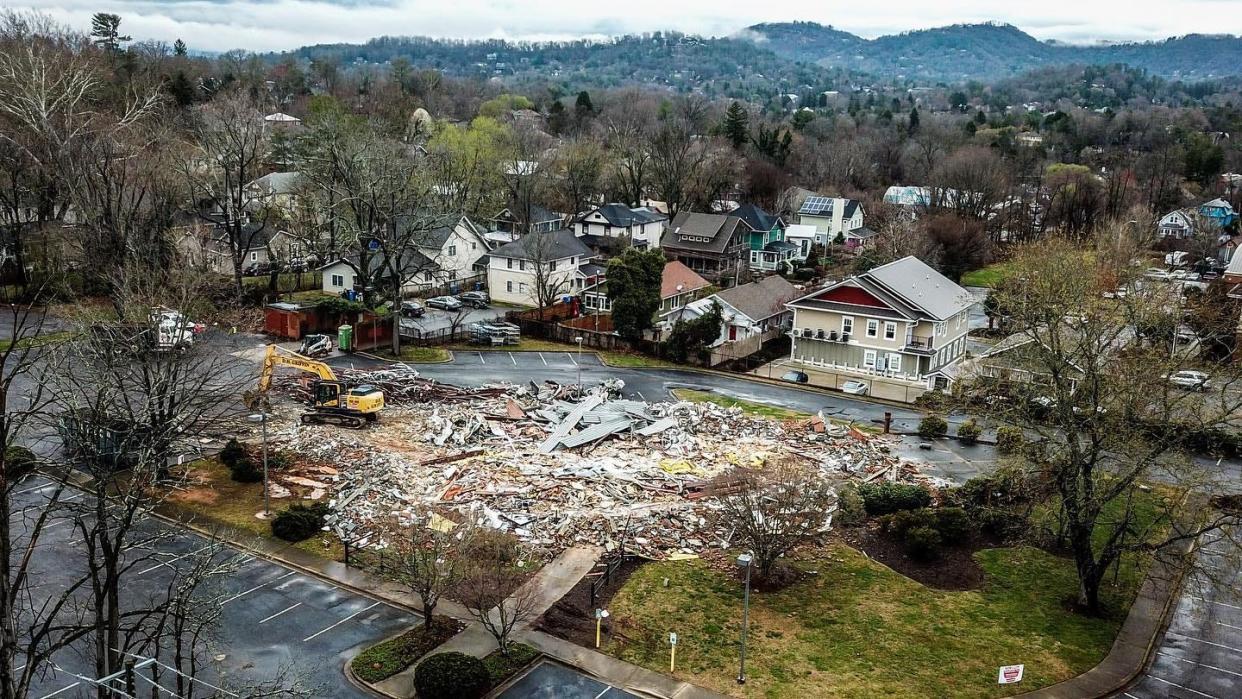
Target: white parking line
[256,587]
[606,690]
[1188,689]
[1210,667]
[60,691]
[1131,695]
[171,560]
[481,360]
[545,362]
[288,609]
[342,621]
[34,489]
[1230,626]
[1209,601]
[571,358]
[1210,643]
[511,358]
[640,396]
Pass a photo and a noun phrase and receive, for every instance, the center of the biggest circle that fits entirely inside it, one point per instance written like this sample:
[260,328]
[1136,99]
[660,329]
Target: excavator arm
[276,356]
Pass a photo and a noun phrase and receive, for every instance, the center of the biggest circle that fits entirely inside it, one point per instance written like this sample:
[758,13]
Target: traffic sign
[672,639]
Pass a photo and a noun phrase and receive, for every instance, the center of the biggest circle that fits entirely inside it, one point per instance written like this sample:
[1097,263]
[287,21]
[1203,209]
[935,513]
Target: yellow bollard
[672,659]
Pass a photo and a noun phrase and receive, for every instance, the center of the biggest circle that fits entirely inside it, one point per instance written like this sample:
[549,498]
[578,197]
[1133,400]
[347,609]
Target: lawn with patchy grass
[501,667]
[387,658]
[989,276]
[215,498]
[39,340]
[855,628]
[757,409]
[425,355]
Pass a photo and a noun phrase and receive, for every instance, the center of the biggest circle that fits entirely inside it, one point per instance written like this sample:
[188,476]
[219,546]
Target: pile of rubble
[401,385]
[557,471]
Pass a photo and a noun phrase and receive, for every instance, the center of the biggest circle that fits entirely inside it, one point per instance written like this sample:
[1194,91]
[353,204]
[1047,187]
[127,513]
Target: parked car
[412,309]
[1190,379]
[446,303]
[475,299]
[795,377]
[856,388]
[255,269]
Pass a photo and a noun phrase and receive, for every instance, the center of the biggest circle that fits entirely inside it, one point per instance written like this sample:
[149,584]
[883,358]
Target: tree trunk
[428,610]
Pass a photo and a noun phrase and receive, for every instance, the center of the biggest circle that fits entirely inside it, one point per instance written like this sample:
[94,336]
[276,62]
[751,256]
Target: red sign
[1010,674]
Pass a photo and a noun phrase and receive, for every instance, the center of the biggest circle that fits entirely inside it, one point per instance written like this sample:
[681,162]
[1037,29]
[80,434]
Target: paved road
[274,619]
[436,319]
[554,681]
[1200,655]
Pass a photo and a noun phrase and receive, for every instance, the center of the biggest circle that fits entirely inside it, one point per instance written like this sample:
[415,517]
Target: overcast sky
[216,25]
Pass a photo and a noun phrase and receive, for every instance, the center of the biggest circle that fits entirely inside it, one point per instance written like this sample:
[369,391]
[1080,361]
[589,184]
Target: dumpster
[345,338]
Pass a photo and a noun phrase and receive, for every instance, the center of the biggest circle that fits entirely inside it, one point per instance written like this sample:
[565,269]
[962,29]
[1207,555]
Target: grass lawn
[387,658]
[757,409]
[424,354]
[500,667]
[40,340]
[856,628]
[217,499]
[989,276]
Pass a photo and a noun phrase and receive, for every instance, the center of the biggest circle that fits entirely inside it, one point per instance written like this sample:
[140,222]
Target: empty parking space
[552,681]
[533,360]
[274,621]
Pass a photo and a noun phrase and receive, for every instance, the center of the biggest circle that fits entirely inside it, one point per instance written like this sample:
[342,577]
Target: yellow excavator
[332,401]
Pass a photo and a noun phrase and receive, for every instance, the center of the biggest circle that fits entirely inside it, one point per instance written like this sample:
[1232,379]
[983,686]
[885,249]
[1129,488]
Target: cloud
[262,25]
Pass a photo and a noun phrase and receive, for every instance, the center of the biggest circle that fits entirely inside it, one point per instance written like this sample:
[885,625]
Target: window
[427,276]
[521,287]
[847,324]
[522,265]
[942,329]
[509,286]
[873,328]
[894,363]
[338,280]
[254,257]
[552,266]
[890,331]
[474,246]
[509,262]
[869,359]
[452,251]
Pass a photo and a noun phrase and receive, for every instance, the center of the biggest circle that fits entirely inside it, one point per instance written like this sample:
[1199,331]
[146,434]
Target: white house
[751,314]
[455,246]
[557,260]
[418,272]
[802,235]
[640,227]
[1177,224]
[831,216]
[275,189]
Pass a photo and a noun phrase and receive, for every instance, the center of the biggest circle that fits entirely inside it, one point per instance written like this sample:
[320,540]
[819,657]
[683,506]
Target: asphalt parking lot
[274,620]
[554,681]
[1200,654]
[435,319]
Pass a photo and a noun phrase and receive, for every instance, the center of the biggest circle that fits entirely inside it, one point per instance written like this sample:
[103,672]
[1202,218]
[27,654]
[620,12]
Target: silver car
[445,303]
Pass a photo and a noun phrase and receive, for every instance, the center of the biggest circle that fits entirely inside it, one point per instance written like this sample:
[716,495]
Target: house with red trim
[899,328]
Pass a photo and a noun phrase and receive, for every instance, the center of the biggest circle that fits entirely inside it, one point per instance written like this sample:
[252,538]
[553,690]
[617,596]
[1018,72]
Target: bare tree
[579,165]
[1108,422]
[426,552]
[492,589]
[775,511]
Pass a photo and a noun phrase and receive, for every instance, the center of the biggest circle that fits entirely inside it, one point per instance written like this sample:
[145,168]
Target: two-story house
[455,245]
[716,246]
[617,225]
[679,285]
[769,251]
[1208,217]
[514,220]
[831,216]
[900,328]
[539,267]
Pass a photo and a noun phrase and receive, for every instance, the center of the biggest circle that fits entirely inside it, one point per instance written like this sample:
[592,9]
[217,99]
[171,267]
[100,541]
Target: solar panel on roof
[816,205]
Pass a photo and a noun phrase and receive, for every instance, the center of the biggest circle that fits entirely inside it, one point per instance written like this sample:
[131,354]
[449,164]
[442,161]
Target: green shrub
[1009,439]
[899,523]
[953,525]
[886,498]
[968,432]
[232,452]
[998,522]
[245,470]
[299,522]
[19,462]
[932,427]
[922,543]
[850,508]
[451,676]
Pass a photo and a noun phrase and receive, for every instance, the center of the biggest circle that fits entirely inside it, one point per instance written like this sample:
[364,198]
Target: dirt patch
[573,616]
[956,568]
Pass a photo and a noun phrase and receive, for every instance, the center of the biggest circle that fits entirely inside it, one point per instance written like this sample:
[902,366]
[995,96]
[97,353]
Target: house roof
[279,182]
[761,299]
[623,216]
[281,117]
[411,262]
[801,230]
[862,232]
[443,229]
[908,287]
[538,214]
[676,274]
[1235,263]
[716,229]
[823,206]
[757,218]
[554,245]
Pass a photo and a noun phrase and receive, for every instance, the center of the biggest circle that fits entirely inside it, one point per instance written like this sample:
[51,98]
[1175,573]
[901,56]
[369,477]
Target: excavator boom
[277,356]
[332,402]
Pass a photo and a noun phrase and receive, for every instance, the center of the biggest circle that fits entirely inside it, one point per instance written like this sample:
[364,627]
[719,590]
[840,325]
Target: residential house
[275,190]
[803,236]
[557,261]
[607,226]
[900,327]
[1210,216]
[679,285]
[209,246]
[832,217]
[346,274]
[752,314]
[716,246]
[1177,225]
[1016,360]
[1218,212]
[456,245]
[513,220]
[769,251]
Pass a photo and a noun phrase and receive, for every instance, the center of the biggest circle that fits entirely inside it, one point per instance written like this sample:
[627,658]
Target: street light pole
[744,560]
[261,418]
[578,339]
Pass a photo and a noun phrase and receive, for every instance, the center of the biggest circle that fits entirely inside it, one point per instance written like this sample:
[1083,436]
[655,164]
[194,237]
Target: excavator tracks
[355,422]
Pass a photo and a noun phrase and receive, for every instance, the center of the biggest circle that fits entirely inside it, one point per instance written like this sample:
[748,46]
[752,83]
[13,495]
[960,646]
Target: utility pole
[744,561]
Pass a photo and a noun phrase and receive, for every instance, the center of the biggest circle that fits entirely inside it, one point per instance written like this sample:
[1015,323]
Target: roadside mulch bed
[501,667]
[387,658]
[956,569]
[573,618]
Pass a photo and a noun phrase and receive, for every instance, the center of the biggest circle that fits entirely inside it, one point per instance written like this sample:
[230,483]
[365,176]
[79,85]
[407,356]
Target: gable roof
[538,214]
[757,218]
[692,230]
[279,182]
[1235,264]
[436,237]
[908,287]
[554,245]
[411,263]
[622,216]
[677,274]
[823,206]
[761,299]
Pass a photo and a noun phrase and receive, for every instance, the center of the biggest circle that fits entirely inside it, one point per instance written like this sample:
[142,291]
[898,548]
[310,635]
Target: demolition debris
[558,466]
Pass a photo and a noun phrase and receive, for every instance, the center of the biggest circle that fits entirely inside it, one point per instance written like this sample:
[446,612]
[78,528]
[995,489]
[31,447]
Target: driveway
[273,620]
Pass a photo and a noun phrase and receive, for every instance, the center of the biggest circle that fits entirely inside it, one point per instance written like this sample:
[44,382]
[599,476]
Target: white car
[1190,379]
[857,388]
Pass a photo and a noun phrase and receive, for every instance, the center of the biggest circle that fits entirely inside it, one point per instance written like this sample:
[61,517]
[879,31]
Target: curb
[365,686]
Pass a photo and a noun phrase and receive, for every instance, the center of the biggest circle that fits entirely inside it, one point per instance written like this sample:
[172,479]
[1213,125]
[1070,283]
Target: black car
[255,269]
[475,299]
[412,309]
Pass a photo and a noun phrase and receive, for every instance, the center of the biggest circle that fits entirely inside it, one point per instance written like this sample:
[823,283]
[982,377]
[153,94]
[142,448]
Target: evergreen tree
[634,290]
[583,107]
[106,31]
[179,48]
[737,125]
[914,120]
[181,90]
